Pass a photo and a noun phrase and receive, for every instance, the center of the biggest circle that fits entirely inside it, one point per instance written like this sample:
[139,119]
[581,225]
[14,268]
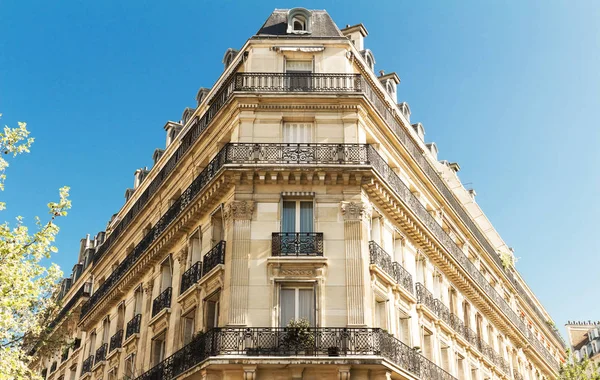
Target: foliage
[298,335]
[26,286]
[573,369]
[508,260]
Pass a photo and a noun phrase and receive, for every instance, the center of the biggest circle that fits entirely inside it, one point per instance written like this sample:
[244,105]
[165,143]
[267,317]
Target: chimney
[473,195]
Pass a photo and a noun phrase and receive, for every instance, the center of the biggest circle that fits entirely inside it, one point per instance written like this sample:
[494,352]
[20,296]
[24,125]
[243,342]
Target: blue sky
[509,90]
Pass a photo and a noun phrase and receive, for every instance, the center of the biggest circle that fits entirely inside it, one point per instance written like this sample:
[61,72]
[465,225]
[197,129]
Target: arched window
[299,23]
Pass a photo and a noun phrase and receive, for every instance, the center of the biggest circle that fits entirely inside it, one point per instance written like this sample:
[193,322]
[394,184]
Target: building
[298,189]
[584,339]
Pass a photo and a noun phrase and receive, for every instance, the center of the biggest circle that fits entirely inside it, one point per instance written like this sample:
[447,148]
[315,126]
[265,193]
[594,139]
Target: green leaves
[584,369]
[26,286]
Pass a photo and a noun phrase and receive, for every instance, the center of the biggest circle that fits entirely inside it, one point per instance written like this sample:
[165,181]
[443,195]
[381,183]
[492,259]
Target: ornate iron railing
[425,297]
[133,326]
[162,301]
[297,244]
[316,342]
[379,257]
[116,341]
[442,311]
[298,82]
[101,353]
[294,154]
[214,257]
[87,365]
[190,277]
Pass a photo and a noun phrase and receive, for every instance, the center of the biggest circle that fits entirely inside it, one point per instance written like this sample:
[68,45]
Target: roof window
[299,21]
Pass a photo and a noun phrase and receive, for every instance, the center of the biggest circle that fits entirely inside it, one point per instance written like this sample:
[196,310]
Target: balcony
[298,82]
[133,326]
[297,244]
[425,297]
[87,365]
[200,269]
[190,277]
[116,341]
[381,259]
[101,354]
[324,343]
[213,257]
[163,301]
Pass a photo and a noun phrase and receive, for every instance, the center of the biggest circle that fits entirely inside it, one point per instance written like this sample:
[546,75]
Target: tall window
[297,216]
[211,307]
[467,314]
[158,348]
[187,326]
[92,344]
[105,330]
[427,344]
[137,303]
[297,133]
[298,78]
[381,313]
[297,302]
[129,372]
[195,248]
[460,367]
[445,356]
[166,274]
[217,228]
[452,300]
[404,329]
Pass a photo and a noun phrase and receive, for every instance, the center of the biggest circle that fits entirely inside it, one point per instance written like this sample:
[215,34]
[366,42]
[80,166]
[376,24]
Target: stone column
[238,215]
[145,334]
[355,231]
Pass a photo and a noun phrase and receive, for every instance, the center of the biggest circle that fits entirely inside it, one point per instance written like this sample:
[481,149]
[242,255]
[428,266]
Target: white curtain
[297,133]
[306,216]
[288,306]
[289,216]
[306,305]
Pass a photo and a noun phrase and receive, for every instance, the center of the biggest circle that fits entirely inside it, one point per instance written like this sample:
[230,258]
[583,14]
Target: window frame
[297,220]
[297,286]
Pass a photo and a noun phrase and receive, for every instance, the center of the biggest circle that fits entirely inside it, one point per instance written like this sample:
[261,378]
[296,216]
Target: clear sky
[508,89]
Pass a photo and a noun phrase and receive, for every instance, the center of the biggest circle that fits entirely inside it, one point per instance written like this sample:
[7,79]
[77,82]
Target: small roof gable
[322,25]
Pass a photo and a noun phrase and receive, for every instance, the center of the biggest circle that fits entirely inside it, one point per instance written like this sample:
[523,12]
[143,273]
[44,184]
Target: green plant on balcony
[298,336]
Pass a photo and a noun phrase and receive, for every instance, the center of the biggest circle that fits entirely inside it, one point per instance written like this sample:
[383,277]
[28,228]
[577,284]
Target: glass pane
[306,307]
[306,216]
[288,306]
[288,219]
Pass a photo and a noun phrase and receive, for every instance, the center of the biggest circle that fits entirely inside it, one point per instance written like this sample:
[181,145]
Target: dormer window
[299,21]
[369,59]
[230,54]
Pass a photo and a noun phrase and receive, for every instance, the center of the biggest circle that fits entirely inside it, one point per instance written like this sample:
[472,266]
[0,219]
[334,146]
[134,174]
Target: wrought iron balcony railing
[116,341]
[161,302]
[297,244]
[101,353]
[315,154]
[133,326]
[214,257]
[442,311]
[379,257]
[87,365]
[316,342]
[211,259]
[190,277]
[425,297]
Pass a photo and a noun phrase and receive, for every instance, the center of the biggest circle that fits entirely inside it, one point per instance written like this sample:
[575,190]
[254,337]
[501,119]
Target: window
[298,74]
[299,23]
[195,248]
[427,344]
[467,314]
[297,216]
[452,300]
[158,348]
[445,356]
[376,221]
[105,330]
[166,274]
[381,313]
[112,373]
[297,133]
[137,303]
[73,372]
[404,329]
[129,372]
[296,302]
[474,373]
[217,228]
[187,327]
[211,307]
[460,367]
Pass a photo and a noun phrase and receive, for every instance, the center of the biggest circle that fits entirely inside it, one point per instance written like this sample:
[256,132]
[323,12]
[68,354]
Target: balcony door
[298,76]
[297,303]
[297,216]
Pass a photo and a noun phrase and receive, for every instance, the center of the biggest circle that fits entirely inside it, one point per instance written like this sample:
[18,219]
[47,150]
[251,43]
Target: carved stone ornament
[355,210]
[148,286]
[182,256]
[239,210]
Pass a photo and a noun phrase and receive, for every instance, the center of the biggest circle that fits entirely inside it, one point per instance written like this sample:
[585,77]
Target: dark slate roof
[322,25]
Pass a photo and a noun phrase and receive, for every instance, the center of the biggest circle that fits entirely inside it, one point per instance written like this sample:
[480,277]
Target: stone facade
[299,190]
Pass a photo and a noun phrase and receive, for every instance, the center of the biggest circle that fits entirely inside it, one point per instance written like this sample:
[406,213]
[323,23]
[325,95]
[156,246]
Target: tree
[27,288]
[575,369]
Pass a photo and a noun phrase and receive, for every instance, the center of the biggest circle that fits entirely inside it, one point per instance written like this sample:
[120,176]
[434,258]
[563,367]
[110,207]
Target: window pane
[188,328]
[306,307]
[289,216]
[211,314]
[306,217]
[288,306]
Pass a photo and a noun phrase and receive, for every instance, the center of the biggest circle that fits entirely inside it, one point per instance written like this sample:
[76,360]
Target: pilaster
[238,216]
[355,214]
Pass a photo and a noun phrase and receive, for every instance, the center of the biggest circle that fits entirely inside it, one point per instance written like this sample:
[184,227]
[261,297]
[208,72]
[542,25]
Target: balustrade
[161,302]
[297,244]
[133,326]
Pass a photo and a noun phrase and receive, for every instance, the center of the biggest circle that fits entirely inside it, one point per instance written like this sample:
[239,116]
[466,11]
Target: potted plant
[298,337]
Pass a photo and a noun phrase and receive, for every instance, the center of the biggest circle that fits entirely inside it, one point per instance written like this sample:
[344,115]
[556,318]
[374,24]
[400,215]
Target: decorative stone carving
[239,210]
[182,256]
[355,210]
[148,286]
[296,272]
